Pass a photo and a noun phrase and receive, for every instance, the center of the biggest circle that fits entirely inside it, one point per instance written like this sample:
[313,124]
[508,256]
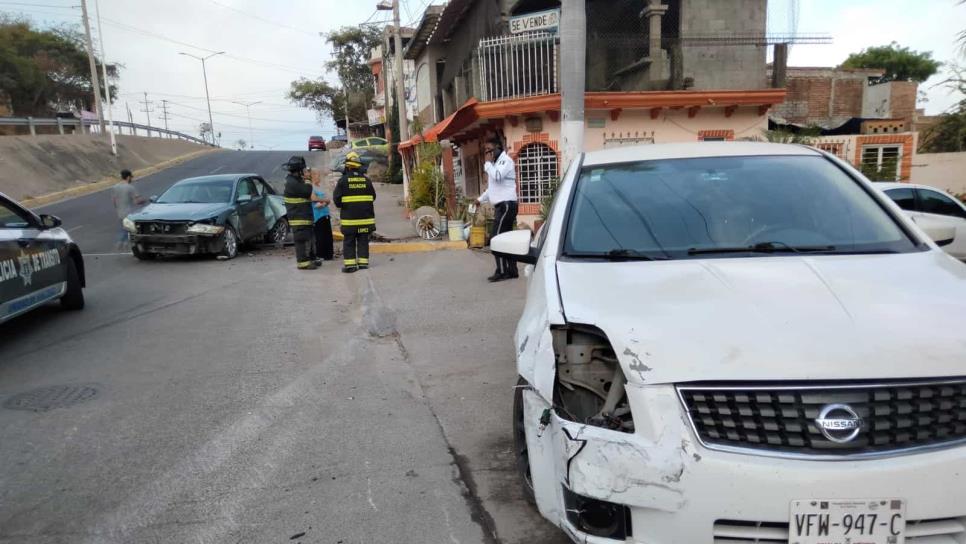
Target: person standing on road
[126,199]
[322,222]
[355,196]
[501,190]
[298,208]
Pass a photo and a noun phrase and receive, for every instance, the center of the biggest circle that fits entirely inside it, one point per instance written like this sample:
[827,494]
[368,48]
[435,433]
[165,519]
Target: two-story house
[681,70]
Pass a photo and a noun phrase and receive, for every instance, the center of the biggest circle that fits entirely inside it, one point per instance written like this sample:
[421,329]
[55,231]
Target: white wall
[946,171]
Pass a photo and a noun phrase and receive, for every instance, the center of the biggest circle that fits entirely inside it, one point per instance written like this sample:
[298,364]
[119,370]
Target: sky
[270,43]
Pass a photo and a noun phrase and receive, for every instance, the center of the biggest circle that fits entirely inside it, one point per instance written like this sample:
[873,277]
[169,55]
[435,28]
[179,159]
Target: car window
[246,188]
[260,187]
[671,208]
[199,192]
[938,203]
[12,218]
[905,198]
[377,141]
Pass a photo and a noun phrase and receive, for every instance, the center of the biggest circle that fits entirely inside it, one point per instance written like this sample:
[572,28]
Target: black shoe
[363,267]
[349,269]
[317,262]
[497,277]
[512,275]
[310,266]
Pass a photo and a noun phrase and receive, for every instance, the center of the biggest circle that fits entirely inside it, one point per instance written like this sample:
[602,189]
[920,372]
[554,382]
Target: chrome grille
[782,419]
[162,227]
[929,531]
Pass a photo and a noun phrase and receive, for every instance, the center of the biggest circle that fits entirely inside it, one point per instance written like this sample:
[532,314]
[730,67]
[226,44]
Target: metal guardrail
[87,126]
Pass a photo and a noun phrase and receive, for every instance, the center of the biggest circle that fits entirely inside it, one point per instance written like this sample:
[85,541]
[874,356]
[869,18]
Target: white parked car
[925,203]
[739,343]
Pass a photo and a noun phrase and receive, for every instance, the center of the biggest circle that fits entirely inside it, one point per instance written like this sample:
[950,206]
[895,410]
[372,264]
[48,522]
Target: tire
[73,299]
[141,255]
[279,233]
[232,242]
[520,449]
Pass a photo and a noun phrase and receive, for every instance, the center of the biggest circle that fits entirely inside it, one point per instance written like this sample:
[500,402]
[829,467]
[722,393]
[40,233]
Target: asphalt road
[246,401]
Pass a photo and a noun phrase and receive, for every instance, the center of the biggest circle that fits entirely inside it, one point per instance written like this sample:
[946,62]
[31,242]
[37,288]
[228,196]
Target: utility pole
[204,71]
[573,55]
[147,110]
[130,118]
[248,105]
[95,81]
[164,114]
[400,69]
[107,86]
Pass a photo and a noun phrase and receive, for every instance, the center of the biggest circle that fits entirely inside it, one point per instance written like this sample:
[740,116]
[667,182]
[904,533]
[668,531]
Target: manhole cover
[48,398]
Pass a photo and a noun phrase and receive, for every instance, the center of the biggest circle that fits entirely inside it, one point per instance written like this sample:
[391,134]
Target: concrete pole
[95,80]
[573,64]
[400,75]
[107,87]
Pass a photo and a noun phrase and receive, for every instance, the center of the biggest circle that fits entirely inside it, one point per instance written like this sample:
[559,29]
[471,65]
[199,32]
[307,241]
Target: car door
[948,211]
[31,261]
[263,215]
[250,213]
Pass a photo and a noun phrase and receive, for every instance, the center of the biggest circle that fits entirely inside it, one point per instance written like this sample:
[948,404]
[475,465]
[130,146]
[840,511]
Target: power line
[262,19]
[30,5]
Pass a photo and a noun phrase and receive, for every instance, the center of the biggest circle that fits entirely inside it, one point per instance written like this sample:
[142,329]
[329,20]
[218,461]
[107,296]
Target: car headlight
[129,225]
[204,228]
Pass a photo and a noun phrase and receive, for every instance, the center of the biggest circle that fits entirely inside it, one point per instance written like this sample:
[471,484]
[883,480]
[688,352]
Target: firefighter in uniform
[298,207]
[354,196]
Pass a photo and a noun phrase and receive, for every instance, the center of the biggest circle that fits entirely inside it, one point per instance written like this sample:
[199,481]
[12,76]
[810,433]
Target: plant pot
[443,224]
[455,229]
[477,237]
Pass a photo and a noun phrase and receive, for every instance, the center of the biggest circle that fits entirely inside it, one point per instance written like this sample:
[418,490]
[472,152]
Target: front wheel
[230,238]
[279,233]
[73,298]
[520,449]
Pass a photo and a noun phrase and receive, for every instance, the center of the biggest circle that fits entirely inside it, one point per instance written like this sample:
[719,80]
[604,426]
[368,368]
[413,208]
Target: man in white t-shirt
[501,190]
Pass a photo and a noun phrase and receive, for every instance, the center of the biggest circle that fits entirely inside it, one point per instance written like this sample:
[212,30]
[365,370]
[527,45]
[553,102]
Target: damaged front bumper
[665,487]
[184,244]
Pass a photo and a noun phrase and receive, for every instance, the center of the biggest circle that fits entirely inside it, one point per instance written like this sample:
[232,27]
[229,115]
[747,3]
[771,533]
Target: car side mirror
[515,245]
[244,198]
[154,198]
[50,221]
[941,233]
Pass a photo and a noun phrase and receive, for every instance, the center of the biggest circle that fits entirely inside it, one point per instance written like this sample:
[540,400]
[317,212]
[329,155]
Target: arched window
[536,172]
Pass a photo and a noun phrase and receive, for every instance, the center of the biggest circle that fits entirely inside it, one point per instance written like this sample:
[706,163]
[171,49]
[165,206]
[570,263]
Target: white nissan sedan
[738,343]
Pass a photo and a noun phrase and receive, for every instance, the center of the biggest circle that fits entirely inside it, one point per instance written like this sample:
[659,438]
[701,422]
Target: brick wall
[807,100]
[903,101]
[847,97]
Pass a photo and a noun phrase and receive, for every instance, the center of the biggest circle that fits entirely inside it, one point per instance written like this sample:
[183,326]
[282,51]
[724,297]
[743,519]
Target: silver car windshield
[736,206]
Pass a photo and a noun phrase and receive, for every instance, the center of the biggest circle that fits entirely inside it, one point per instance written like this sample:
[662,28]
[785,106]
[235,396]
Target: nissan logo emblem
[839,423]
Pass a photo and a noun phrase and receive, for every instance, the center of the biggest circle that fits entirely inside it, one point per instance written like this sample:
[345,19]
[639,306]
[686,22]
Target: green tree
[949,134]
[351,47]
[899,63]
[45,71]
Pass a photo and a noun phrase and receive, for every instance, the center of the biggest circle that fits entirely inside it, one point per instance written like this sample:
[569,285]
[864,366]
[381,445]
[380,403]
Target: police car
[38,262]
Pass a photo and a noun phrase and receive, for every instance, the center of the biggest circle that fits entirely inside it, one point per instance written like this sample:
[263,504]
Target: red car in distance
[316,142]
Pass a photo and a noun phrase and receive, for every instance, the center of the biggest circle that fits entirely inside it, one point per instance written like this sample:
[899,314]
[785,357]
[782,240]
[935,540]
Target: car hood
[775,318]
[180,212]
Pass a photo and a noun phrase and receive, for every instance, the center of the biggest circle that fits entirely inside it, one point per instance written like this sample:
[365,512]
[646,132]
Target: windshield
[734,206]
[201,192]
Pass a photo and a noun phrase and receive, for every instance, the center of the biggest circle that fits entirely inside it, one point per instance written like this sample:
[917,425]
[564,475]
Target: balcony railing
[517,66]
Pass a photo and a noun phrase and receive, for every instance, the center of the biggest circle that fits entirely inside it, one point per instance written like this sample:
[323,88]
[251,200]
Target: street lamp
[248,106]
[211,123]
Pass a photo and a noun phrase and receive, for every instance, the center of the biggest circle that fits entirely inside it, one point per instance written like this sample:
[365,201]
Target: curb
[109,181]
[415,247]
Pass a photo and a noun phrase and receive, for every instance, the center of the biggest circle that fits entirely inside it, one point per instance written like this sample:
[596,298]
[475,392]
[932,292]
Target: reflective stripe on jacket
[354,195]
[298,203]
